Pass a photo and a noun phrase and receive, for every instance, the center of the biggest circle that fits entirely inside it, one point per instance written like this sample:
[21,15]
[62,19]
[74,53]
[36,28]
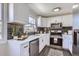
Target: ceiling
[46,9]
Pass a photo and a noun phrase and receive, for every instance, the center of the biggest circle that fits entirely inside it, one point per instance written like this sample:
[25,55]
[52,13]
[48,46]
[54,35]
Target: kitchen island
[21,48]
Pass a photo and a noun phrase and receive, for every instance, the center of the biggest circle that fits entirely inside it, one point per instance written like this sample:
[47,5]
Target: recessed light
[56,9]
[75,6]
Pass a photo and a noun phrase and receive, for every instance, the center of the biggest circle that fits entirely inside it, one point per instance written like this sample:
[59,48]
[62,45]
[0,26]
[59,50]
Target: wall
[3,42]
[76,18]
[22,12]
[3,48]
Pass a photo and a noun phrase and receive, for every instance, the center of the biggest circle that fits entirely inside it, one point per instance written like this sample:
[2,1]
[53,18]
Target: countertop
[31,37]
[3,42]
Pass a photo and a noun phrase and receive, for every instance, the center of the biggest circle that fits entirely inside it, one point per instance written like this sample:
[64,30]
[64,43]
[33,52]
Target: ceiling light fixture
[56,9]
[75,6]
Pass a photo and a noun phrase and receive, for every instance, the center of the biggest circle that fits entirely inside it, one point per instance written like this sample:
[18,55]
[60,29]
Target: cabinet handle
[25,46]
[42,40]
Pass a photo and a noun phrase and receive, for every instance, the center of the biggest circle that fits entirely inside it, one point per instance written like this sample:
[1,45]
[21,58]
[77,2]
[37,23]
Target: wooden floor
[54,51]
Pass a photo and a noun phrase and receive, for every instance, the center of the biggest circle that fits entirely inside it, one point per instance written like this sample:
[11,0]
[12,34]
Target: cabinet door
[47,39]
[39,21]
[40,44]
[44,22]
[70,43]
[65,42]
[67,20]
[48,22]
[25,49]
[44,40]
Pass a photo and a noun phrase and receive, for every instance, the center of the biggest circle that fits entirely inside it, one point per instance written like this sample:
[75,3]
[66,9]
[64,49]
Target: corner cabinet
[43,22]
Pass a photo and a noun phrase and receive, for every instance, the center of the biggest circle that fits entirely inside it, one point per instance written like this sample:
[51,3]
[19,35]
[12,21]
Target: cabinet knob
[42,40]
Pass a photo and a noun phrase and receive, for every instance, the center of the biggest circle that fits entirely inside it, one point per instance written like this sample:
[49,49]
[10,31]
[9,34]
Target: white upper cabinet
[31,20]
[56,19]
[39,21]
[67,20]
[44,22]
[48,22]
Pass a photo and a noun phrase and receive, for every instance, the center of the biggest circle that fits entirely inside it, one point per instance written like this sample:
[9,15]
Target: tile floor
[75,51]
[54,51]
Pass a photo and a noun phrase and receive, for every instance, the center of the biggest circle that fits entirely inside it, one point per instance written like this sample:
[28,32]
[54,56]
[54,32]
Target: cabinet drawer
[24,49]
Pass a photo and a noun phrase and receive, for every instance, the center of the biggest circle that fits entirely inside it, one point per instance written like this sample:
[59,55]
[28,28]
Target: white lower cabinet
[47,39]
[67,42]
[25,49]
[43,41]
[19,48]
[41,45]
[3,49]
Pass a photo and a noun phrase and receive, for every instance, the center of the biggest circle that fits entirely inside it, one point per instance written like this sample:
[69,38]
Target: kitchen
[30,29]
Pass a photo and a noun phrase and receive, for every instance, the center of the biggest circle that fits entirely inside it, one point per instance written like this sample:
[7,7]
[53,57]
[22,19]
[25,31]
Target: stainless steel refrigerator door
[77,39]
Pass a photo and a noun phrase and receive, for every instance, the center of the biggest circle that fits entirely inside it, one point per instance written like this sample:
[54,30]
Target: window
[31,26]
[31,20]
[0,21]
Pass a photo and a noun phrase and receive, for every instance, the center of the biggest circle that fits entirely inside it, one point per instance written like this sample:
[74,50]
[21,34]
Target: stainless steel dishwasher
[34,47]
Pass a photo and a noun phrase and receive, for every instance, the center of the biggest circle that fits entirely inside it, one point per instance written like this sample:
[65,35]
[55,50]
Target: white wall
[3,48]
[3,42]
[22,12]
[76,19]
